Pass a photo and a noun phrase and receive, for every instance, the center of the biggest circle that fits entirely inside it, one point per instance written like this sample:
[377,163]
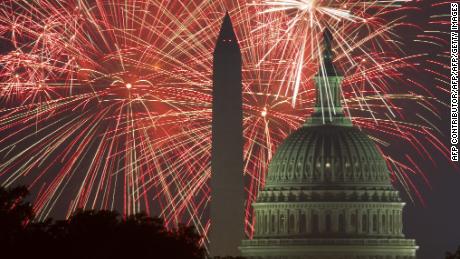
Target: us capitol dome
[328,193]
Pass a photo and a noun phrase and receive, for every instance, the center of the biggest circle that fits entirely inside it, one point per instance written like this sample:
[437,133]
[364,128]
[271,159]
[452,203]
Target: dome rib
[327,155]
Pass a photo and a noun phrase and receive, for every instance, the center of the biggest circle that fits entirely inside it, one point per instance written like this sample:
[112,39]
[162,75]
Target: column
[277,217]
[359,222]
[256,223]
[347,215]
[308,218]
[296,222]
[370,221]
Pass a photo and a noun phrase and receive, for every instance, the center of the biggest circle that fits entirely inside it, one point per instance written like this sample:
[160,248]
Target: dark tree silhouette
[89,234]
[14,213]
[455,255]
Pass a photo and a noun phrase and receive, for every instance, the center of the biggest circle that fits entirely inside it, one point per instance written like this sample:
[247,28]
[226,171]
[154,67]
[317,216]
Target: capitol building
[328,193]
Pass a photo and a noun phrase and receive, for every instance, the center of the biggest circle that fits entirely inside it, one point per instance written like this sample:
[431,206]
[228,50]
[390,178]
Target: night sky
[436,223]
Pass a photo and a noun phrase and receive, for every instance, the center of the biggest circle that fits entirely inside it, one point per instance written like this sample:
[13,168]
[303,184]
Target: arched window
[391,224]
[302,223]
[328,223]
[341,223]
[282,223]
[266,224]
[258,223]
[354,222]
[263,227]
[384,224]
[315,223]
[291,223]
[375,223]
[327,171]
[272,223]
[364,223]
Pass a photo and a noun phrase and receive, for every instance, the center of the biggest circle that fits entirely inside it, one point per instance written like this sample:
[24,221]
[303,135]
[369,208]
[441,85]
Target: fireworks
[107,104]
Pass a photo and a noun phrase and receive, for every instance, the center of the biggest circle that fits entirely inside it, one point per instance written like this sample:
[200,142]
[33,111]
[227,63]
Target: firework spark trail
[107,104]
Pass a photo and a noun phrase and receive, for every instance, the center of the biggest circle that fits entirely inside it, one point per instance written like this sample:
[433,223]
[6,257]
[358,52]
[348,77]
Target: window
[353,220]
[384,227]
[302,223]
[282,223]
[315,223]
[341,223]
[364,223]
[291,223]
[266,223]
[375,223]
[328,223]
[391,224]
[272,223]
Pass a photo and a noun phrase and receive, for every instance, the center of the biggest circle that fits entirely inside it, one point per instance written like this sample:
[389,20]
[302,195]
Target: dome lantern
[328,108]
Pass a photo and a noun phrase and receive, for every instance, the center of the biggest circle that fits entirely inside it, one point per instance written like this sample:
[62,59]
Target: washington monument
[227,195]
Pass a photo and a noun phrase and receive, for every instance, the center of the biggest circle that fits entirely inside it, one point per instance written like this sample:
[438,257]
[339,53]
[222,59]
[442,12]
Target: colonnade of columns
[383,221]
